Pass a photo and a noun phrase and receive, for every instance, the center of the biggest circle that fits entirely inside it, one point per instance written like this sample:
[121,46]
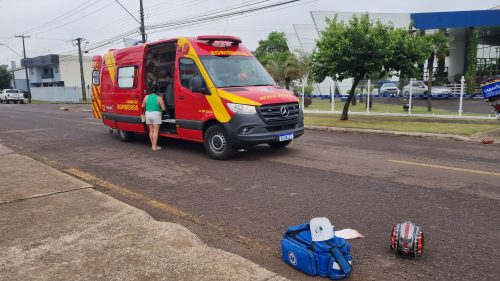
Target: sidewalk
[56,227]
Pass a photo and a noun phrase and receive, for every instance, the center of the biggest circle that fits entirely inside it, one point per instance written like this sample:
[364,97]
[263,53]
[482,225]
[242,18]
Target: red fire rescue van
[215,91]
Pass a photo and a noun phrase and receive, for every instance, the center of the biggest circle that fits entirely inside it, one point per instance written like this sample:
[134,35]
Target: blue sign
[491,90]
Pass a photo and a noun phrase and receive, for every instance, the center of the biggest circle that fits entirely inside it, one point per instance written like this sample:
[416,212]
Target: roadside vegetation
[407,124]
[325,105]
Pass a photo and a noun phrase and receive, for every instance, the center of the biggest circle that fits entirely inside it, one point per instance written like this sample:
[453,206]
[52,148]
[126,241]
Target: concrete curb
[391,133]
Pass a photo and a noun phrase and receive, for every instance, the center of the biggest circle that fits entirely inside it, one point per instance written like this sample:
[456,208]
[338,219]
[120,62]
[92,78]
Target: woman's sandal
[157,148]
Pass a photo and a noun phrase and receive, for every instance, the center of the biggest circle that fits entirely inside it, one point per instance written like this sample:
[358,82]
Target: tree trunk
[430,67]
[287,83]
[345,111]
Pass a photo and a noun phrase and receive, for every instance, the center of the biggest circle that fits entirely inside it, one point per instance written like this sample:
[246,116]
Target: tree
[471,62]
[408,51]
[287,71]
[4,77]
[438,45]
[273,48]
[356,49]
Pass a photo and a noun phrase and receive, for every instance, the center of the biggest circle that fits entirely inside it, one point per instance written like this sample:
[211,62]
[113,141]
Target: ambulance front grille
[279,113]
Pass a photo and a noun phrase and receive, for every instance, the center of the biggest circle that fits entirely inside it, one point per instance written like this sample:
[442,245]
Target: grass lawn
[407,124]
[324,105]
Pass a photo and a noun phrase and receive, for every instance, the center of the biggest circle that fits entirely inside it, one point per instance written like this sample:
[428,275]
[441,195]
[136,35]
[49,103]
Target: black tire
[125,135]
[21,102]
[279,144]
[7,101]
[217,143]
[1,101]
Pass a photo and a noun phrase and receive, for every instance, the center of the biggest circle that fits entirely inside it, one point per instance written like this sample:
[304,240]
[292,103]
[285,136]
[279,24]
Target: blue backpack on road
[330,258]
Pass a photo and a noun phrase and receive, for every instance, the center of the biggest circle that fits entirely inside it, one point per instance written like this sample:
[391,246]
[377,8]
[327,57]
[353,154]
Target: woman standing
[154,105]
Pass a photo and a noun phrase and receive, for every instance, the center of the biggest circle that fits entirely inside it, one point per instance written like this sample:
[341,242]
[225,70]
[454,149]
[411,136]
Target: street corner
[4,150]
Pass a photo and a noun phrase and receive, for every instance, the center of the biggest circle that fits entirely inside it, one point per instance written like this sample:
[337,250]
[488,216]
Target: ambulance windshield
[236,71]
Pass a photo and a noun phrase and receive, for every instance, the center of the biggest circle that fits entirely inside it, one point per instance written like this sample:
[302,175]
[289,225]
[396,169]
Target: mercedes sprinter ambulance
[215,91]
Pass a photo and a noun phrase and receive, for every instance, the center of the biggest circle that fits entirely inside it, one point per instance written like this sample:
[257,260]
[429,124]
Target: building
[52,71]
[458,25]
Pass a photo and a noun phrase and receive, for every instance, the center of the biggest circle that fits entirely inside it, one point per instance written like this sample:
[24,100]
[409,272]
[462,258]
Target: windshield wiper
[261,85]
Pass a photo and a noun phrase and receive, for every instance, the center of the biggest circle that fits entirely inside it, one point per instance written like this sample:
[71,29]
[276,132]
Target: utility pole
[142,28]
[82,76]
[25,65]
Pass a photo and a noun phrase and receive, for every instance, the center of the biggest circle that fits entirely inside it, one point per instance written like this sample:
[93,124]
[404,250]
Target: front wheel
[279,144]
[217,143]
[125,135]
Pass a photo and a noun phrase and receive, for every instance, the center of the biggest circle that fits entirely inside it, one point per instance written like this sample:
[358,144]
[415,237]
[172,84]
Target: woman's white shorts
[153,117]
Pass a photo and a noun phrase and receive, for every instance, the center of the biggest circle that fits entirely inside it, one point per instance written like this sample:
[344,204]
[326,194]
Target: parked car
[11,95]
[389,89]
[420,90]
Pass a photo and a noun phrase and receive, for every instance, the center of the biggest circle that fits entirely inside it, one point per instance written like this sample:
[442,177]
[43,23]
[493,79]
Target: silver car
[420,89]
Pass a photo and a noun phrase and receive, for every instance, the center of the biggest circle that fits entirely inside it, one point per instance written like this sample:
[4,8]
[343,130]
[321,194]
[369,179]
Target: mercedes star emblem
[284,111]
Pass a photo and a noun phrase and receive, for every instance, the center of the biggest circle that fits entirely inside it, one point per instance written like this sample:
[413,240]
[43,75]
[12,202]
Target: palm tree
[438,46]
[275,70]
[291,69]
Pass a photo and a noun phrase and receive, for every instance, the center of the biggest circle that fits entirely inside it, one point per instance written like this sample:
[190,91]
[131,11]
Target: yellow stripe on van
[236,99]
[213,99]
[96,101]
[109,60]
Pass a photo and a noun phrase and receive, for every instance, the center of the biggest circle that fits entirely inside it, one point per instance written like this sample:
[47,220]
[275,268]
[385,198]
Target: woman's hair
[153,89]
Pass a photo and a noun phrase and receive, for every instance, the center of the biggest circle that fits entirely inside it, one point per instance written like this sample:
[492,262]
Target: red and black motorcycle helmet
[407,239]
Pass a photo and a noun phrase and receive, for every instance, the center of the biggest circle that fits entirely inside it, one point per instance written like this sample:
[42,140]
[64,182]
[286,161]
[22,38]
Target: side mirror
[197,86]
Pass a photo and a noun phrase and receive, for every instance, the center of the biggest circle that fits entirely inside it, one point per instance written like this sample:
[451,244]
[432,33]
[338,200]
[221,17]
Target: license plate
[285,137]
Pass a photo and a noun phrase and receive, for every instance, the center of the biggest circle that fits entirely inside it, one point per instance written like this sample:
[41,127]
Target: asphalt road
[365,182]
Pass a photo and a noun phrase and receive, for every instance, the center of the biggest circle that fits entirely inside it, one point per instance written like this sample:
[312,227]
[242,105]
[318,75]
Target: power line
[65,15]
[212,16]
[187,21]
[77,19]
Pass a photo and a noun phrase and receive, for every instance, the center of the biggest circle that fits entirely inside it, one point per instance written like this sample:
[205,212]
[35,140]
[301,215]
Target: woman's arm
[144,103]
[162,103]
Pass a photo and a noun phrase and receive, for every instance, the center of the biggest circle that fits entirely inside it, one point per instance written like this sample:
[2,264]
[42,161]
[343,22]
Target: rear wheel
[279,144]
[125,135]
[217,143]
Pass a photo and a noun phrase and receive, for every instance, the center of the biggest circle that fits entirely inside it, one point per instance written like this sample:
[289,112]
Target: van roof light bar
[235,41]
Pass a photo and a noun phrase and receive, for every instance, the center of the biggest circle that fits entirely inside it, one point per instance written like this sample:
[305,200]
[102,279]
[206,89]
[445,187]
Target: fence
[63,94]
[447,101]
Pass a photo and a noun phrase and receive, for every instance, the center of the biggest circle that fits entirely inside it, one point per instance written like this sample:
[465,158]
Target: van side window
[188,70]
[127,77]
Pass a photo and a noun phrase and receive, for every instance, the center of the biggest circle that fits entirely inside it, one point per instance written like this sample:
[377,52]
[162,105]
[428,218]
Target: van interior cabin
[160,62]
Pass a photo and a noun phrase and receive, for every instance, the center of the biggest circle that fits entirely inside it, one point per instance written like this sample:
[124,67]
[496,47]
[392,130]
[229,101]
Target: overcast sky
[53,23]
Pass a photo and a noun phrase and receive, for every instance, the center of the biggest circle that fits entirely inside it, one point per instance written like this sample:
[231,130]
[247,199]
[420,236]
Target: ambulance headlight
[241,108]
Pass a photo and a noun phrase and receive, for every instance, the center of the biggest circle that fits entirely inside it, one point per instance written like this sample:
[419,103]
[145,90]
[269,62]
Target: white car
[420,89]
[11,95]
[389,89]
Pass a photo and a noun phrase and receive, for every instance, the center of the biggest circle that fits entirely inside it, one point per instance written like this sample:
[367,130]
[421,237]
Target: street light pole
[26,66]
